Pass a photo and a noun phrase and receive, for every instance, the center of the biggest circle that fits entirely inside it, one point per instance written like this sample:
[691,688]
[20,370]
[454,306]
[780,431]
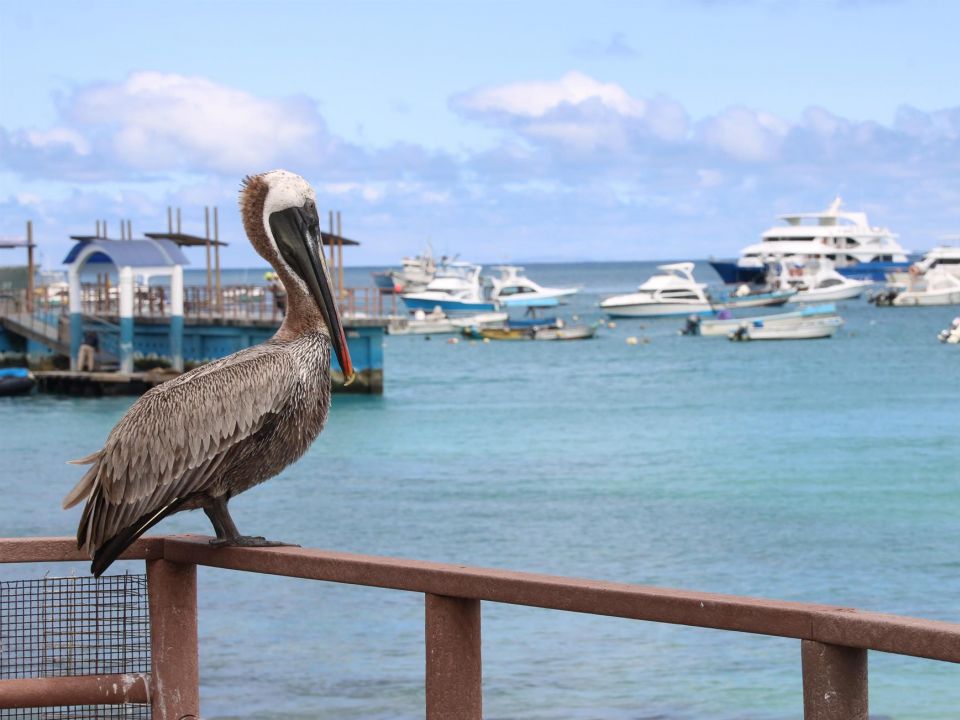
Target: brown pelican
[198,440]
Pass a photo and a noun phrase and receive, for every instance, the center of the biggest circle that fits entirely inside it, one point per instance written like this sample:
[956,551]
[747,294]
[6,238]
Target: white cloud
[163,121]
[745,134]
[59,136]
[534,99]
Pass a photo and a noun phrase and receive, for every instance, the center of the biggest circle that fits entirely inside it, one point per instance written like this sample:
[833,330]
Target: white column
[176,318]
[76,313]
[126,319]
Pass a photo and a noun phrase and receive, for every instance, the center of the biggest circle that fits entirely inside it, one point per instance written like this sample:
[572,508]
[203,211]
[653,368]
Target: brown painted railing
[834,640]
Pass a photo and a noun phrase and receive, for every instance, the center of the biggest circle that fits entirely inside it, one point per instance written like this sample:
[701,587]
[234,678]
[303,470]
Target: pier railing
[834,641]
[237,303]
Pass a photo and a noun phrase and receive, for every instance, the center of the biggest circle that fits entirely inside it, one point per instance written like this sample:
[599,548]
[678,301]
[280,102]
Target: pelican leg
[226,529]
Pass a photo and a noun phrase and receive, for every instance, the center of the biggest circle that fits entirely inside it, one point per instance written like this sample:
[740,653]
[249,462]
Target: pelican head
[279,210]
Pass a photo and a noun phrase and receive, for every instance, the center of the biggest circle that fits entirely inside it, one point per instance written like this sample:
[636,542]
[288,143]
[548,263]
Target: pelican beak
[297,234]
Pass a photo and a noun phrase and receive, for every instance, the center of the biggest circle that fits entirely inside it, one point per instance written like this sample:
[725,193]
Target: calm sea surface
[824,471]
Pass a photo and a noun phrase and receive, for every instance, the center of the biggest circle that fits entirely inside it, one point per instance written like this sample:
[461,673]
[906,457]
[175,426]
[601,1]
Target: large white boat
[818,281]
[673,292]
[514,289]
[456,289]
[944,257]
[856,248]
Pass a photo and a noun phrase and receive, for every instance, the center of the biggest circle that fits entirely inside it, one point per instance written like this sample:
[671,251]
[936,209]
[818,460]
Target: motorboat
[456,289]
[514,289]
[16,381]
[856,248]
[414,274]
[810,329]
[672,292]
[818,281]
[723,326]
[938,286]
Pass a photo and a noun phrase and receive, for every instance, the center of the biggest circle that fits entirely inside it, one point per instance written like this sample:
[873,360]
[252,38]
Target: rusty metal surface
[54,549]
[453,659]
[834,682]
[78,690]
[822,623]
[175,669]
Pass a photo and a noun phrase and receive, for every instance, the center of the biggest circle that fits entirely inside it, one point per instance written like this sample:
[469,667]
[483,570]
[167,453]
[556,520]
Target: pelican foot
[249,541]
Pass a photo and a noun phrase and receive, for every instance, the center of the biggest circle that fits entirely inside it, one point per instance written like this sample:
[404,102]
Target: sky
[500,131]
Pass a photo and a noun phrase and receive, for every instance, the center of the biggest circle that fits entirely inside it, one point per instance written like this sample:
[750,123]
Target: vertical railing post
[454,671]
[174,648]
[834,682]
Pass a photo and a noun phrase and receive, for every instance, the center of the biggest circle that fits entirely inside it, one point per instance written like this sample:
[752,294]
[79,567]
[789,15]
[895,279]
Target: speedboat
[811,329]
[723,326]
[456,289]
[936,287]
[857,249]
[818,281]
[513,289]
[673,292]
[438,322]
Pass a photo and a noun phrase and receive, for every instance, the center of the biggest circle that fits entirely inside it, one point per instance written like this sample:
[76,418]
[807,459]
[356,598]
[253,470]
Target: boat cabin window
[515,290]
[679,295]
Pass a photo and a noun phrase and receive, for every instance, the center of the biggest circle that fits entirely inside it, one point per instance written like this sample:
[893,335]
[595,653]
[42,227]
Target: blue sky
[502,131]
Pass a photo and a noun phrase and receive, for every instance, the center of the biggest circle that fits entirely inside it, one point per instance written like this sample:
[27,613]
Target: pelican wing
[171,441]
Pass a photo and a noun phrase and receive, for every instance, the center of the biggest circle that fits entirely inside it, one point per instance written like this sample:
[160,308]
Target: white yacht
[513,289]
[818,281]
[944,257]
[856,248]
[457,288]
[673,292]
[414,275]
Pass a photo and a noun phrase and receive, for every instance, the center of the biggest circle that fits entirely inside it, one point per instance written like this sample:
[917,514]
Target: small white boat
[818,281]
[945,258]
[745,297]
[565,332]
[937,287]
[414,275]
[513,289]
[673,292]
[437,322]
[811,329]
[722,327]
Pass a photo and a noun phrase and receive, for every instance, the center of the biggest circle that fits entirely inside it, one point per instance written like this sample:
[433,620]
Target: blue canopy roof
[130,253]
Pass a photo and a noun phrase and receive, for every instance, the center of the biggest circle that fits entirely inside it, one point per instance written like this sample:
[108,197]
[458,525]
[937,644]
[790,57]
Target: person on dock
[279,294]
[87,357]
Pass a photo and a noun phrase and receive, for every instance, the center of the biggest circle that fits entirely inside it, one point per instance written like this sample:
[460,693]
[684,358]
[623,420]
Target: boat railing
[834,641]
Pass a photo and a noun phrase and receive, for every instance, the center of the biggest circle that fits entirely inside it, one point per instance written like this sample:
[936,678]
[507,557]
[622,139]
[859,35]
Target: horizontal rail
[804,621]
[59,549]
[74,690]
[826,624]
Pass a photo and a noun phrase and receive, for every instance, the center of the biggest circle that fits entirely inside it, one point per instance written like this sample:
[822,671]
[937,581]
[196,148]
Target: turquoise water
[824,471]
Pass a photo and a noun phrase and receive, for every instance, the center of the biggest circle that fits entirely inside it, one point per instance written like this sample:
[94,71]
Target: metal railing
[834,640]
[232,302]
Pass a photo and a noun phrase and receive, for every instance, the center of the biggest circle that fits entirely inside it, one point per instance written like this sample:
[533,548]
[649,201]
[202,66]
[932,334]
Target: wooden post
[834,682]
[30,268]
[206,223]
[339,255]
[216,257]
[174,648]
[454,670]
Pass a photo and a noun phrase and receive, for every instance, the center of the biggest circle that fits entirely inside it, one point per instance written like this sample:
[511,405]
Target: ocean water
[824,471]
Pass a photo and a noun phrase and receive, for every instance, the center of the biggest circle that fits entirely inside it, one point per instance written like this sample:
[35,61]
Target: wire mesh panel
[56,627]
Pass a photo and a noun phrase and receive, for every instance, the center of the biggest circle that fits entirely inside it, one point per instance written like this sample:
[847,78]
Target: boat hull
[830,294]
[733,274]
[656,309]
[806,330]
[926,299]
[722,328]
[760,300]
[449,306]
